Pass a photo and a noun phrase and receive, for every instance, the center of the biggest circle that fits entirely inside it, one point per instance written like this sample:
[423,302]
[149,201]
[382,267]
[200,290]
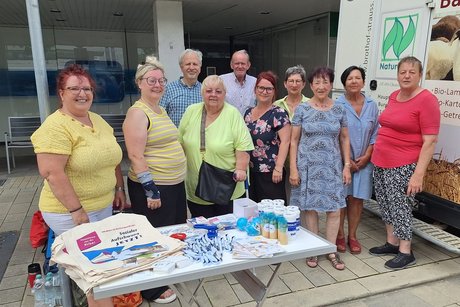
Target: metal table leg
[185,295]
[257,289]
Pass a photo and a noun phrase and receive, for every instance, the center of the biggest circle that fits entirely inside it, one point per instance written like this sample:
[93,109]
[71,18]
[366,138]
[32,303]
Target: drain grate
[8,242]
[426,231]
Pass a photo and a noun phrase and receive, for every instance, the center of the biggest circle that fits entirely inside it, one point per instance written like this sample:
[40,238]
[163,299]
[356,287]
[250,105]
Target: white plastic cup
[296,211]
[278,202]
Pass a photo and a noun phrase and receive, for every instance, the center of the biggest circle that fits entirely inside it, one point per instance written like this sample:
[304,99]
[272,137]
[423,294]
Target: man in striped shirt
[181,93]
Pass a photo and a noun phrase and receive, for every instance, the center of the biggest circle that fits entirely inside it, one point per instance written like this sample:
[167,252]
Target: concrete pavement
[433,281]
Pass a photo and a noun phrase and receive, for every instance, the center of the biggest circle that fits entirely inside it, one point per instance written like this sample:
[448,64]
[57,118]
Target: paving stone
[220,293]
[19,208]
[13,282]
[15,269]
[11,295]
[357,266]
[242,295]
[317,276]
[22,258]
[15,217]
[435,294]
[15,304]
[320,296]
[414,275]
[427,248]
[343,275]
[377,263]
[10,226]
[201,295]
[296,281]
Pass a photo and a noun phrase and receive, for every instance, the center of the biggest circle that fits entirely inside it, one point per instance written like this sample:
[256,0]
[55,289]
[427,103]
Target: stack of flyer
[120,245]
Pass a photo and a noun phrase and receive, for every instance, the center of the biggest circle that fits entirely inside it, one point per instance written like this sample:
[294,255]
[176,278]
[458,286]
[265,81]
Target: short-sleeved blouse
[264,134]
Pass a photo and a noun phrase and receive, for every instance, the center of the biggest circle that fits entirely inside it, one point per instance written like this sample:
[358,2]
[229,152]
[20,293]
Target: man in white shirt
[240,86]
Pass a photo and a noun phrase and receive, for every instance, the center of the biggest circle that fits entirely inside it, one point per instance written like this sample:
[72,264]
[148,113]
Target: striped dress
[163,152]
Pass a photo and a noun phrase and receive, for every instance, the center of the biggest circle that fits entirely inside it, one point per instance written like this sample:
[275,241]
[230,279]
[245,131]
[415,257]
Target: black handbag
[215,184]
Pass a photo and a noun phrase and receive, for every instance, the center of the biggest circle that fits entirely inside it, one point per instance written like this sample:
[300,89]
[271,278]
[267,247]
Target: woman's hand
[346,175]
[153,203]
[361,162]
[415,185]
[294,178]
[277,175]
[353,167]
[239,175]
[120,200]
[79,217]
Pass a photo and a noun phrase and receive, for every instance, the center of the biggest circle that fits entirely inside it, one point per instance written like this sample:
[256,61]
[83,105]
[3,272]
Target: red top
[399,139]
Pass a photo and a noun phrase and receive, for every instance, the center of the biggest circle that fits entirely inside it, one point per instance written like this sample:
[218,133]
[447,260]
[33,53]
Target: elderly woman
[406,140]
[156,177]
[362,113]
[79,158]
[294,82]
[270,131]
[320,160]
[227,142]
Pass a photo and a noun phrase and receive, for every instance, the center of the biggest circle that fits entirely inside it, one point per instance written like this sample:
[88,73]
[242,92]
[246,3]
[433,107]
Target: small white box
[245,207]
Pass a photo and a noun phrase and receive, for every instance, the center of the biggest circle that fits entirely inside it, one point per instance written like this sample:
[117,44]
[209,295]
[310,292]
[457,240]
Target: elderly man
[185,91]
[240,85]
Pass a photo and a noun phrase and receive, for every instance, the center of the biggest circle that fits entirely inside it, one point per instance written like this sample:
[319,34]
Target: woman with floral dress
[270,130]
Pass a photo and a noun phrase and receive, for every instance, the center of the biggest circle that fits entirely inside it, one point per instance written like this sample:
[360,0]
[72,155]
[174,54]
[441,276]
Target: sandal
[355,246]
[312,262]
[341,247]
[166,297]
[336,262]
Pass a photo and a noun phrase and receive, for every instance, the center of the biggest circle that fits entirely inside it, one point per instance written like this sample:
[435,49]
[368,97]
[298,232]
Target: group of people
[313,153]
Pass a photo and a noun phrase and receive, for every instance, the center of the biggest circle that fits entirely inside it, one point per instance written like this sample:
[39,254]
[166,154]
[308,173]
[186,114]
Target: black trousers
[173,211]
[262,186]
[210,210]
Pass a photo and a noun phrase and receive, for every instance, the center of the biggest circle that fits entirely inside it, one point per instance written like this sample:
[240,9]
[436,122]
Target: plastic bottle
[39,291]
[49,290]
[273,226]
[282,230]
[57,289]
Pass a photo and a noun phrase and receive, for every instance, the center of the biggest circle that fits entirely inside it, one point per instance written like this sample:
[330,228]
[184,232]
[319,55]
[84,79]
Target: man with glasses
[240,85]
[181,93]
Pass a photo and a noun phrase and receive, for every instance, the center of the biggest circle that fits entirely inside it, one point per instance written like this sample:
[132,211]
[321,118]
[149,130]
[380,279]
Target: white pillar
[38,55]
[169,35]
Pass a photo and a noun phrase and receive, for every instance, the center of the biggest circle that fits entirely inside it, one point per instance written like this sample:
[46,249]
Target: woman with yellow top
[156,177]
[227,145]
[79,158]
[294,82]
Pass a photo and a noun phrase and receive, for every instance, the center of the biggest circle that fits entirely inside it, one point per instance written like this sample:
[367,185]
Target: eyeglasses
[153,81]
[210,91]
[76,90]
[292,81]
[262,89]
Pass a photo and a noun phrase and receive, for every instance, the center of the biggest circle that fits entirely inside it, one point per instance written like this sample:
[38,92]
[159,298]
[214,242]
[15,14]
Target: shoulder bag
[215,185]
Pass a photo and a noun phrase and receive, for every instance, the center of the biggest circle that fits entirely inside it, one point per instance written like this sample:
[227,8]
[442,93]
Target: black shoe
[385,249]
[401,261]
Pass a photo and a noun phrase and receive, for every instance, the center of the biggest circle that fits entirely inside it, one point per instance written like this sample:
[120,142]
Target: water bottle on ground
[49,290]
[57,289]
[39,291]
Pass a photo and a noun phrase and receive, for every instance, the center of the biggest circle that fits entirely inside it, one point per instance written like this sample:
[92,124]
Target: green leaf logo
[396,39]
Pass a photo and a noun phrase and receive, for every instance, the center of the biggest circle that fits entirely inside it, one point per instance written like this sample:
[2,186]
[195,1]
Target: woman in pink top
[405,144]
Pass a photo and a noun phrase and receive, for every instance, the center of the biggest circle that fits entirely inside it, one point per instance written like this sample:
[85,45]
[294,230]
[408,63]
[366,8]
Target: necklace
[320,105]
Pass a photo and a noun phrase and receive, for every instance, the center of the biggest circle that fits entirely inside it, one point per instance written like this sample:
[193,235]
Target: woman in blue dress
[320,160]
[362,114]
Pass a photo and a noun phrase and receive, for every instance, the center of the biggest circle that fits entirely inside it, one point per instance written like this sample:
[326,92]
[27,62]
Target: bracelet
[348,164]
[119,189]
[277,170]
[75,210]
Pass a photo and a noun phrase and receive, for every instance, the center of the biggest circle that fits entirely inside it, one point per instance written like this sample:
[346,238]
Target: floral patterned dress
[264,133]
[319,160]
